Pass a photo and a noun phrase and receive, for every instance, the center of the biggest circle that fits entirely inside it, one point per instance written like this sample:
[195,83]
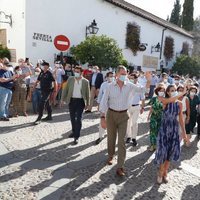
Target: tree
[169,48]
[4,52]
[196,34]
[98,50]
[175,14]
[187,15]
[187,65]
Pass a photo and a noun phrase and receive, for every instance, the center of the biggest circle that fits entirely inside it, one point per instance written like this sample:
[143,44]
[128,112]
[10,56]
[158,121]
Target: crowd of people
[120,96]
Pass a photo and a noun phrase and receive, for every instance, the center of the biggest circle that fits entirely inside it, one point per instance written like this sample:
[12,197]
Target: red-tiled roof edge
[149,16]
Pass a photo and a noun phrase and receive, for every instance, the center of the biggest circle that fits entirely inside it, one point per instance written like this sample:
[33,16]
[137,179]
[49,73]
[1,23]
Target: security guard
[45,79]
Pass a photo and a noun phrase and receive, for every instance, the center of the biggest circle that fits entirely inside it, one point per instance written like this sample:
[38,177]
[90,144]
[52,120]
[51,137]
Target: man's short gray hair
[120,67]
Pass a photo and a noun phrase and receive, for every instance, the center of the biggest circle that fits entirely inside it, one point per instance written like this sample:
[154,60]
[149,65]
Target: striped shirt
[119,99]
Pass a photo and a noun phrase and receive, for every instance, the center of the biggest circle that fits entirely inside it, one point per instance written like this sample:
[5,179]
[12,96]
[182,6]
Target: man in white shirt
[109,78]
[134,112]
[115,103]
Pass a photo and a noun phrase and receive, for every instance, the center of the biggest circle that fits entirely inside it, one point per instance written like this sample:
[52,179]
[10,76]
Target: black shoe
[128,140]
[48,118]
[134,142]
[4,119]
[75,141]
[71,135]
[38,121]
[88,111]
[198,137]
[98,140]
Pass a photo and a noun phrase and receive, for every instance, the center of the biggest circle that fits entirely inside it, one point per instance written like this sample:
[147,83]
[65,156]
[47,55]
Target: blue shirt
[94,76]
[6,74]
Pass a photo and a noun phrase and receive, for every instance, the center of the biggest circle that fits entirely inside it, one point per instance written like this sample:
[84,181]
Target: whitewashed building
[34,24]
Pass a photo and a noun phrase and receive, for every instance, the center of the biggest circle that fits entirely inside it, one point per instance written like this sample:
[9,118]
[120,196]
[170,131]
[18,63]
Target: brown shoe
[120,172]
[110,161]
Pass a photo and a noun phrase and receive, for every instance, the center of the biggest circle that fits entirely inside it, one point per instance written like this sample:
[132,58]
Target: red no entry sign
[62,43]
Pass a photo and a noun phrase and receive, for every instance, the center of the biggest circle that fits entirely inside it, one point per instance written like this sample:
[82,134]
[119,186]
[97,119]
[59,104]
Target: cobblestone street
[41,162]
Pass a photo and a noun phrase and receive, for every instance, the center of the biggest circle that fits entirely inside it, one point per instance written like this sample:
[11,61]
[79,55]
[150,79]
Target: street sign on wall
[62,43]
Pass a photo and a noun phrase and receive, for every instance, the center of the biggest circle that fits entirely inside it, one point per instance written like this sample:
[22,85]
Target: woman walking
[168,141]
[155,115]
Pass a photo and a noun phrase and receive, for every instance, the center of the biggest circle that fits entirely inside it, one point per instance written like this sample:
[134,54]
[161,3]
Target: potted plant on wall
[169,48]
[133,37]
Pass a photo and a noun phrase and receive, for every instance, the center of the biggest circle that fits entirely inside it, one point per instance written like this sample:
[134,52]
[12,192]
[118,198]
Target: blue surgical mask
[122,78]
[77,75]
[131,80]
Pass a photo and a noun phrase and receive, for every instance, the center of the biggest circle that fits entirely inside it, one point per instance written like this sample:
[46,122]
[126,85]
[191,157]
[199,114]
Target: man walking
[76,94]
[95,84]
[45,79]
[117,100]
[134,111]
[110,78]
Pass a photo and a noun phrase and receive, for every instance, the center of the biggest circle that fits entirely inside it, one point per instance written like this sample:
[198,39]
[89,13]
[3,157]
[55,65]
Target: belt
[135,105]
[184,112]
[76,98]
[121,111]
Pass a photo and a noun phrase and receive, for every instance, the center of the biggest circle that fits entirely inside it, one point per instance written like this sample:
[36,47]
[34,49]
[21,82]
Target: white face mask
[37,73]
[176,81]
[192,94]
[111,79]
[94,70]
[180,93]
[173,94]
[161,94]
[42,68]
[77,75]
[19,72]
[165,80]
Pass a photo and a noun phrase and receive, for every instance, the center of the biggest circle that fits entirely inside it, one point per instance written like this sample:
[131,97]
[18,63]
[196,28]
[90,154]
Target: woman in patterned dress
[155,115]
[168,142]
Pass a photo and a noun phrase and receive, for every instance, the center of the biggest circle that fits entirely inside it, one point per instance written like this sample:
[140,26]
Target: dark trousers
[198,124]
[151,92]
[44,103]
[76,107]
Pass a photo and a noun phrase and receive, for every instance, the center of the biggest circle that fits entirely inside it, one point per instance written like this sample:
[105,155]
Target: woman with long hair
[168,141]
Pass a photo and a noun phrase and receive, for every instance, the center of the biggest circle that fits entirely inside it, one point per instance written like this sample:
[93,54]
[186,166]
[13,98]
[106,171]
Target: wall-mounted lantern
[9,17]
[155,48]
[92,29]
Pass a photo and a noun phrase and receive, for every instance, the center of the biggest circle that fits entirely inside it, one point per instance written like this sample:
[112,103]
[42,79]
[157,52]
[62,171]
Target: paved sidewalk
[41,162]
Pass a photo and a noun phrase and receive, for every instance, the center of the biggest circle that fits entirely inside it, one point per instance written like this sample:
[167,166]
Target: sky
[162,8]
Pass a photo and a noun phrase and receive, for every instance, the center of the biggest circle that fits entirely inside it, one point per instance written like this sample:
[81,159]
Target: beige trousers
[132,128]
[93,92]
[117,125]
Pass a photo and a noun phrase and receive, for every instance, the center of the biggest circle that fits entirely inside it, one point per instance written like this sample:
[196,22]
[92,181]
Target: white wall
[16,33]
[70,18]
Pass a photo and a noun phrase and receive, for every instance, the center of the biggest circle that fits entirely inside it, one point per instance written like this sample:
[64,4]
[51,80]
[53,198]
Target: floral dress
[168,143]
[155,119]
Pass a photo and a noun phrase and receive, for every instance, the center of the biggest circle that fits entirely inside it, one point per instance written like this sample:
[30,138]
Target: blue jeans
[5,99]
[76,108]
[36,98]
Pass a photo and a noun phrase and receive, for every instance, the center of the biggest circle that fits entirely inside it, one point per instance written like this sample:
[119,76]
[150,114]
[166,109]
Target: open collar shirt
[117,98]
